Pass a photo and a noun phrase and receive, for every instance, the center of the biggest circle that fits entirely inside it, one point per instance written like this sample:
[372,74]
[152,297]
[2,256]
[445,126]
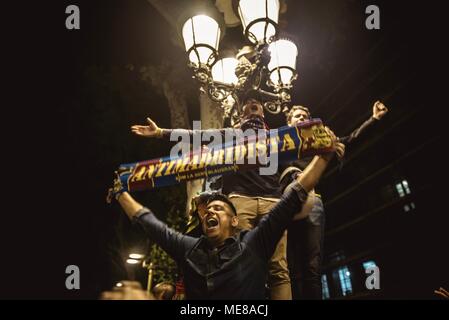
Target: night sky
[77,92]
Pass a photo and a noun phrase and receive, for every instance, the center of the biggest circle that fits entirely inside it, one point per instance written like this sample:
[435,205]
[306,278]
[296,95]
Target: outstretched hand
[151,130]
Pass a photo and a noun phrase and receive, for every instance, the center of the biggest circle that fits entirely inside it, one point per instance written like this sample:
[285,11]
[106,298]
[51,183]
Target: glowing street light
[201,36]
[259,19]
[282,66]
[132,261]
[224,71]
[136,256]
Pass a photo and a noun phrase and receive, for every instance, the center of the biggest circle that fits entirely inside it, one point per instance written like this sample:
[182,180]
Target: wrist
[159,132]
[118,195]
[327,157]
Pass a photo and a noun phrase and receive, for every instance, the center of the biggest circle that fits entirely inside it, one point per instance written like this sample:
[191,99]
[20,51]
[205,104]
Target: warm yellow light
[224,71]
[283,61]
[132,261]
[203,34]
[136,256]
[252,10]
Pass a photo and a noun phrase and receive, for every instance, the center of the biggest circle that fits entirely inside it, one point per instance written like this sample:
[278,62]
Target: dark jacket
[239,268]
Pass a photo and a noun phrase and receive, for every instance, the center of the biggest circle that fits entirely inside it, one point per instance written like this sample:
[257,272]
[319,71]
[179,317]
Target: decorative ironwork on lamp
[227,77]
[201,36]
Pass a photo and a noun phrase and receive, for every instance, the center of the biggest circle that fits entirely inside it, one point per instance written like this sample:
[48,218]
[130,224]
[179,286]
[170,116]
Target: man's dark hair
[295,108]
[193,227]
[221,197]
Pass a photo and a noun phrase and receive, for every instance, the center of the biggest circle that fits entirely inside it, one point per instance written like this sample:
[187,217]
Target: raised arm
[152,130]
[379,110]
[174,243]
[264,238]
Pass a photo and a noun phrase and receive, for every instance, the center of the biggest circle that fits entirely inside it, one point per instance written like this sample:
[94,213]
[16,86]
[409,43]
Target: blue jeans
[304,253]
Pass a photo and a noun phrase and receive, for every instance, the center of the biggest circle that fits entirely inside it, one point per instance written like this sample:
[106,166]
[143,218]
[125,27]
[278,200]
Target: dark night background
[77,92]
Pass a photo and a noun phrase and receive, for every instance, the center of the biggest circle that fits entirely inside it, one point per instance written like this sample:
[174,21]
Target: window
[325,292]
[369,264]
[409,207]
[400,190]
[403,188]
[345,280]
[405,185]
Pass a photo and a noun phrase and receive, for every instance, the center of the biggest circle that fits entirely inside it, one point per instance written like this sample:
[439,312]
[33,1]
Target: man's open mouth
[211,223]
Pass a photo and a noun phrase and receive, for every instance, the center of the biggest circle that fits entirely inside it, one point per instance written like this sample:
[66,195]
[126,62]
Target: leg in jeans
[279,278]
[315,237]
[305,245]
[296,245]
